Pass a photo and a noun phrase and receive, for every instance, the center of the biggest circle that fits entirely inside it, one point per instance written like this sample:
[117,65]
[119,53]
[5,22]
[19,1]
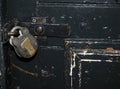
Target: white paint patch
[95,60]
[72,66]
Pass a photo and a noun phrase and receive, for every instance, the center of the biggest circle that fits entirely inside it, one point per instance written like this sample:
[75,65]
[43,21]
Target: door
[58,20]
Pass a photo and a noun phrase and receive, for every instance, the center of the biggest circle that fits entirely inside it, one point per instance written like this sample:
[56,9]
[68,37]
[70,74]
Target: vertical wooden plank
[2,64]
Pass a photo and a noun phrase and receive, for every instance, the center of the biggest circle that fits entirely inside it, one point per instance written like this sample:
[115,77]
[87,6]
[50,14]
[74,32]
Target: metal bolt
[39,29]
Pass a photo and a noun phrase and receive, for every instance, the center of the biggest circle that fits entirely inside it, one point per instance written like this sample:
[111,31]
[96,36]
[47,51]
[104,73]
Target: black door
[62,19]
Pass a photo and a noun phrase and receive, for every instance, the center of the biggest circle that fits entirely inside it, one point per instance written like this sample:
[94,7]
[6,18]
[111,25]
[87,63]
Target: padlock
[25,44]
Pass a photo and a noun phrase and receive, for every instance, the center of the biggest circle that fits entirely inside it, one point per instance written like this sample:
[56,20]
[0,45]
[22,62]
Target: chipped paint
[72,66]
[95,60]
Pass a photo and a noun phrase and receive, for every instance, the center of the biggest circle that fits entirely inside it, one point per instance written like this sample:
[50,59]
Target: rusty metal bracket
[38,27]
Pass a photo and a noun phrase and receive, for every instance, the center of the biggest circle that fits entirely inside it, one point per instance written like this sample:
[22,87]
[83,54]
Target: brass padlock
[25,44]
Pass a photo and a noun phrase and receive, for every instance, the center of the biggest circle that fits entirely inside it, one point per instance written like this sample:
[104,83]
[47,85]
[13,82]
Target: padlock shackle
[13,30]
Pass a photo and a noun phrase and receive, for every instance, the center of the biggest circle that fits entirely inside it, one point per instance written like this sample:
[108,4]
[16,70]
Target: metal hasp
[92,63]
[38,28]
